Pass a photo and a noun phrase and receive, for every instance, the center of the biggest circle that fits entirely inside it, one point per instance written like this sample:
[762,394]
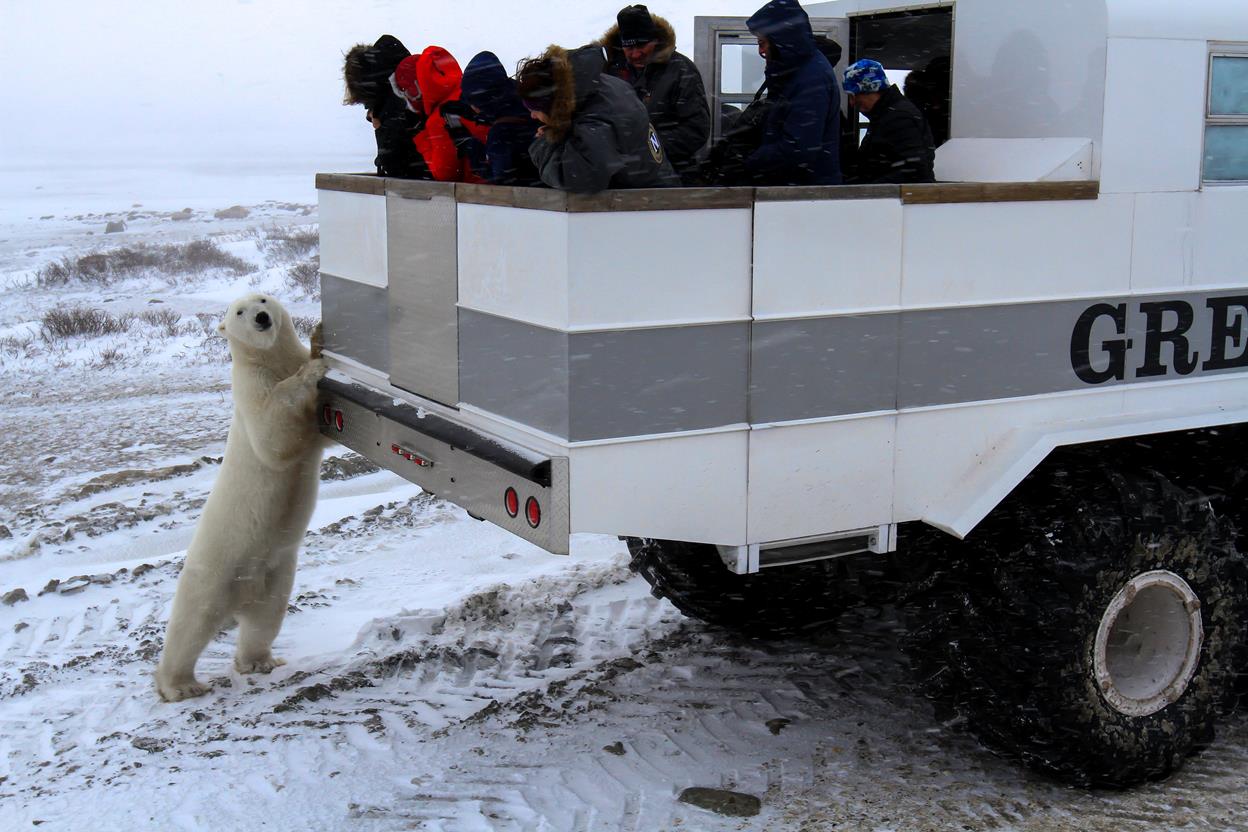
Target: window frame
[1220,49]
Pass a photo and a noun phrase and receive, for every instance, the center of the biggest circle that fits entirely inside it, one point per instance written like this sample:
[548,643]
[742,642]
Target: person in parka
[445,140]
[367,71]
[641,49]
[801,131]
[898,147]
[743,132]
[492,97]
[595,134]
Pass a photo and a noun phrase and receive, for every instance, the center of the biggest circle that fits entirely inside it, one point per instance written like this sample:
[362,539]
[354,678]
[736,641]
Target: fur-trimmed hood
[375,66]
[576,75]
[663,51]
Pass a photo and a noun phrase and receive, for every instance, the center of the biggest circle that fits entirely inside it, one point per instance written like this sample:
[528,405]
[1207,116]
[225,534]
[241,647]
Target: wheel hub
[1148,643]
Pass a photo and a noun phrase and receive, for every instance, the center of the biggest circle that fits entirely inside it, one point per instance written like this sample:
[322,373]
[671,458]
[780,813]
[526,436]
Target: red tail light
[327,416]
[511,502]
[533,512]
[339,422]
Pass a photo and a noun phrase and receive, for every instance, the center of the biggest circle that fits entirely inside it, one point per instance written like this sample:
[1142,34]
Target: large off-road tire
[1091,627]
[777,603]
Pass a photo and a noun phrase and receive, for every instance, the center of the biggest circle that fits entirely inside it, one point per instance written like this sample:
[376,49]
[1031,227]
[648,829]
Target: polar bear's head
[256,321]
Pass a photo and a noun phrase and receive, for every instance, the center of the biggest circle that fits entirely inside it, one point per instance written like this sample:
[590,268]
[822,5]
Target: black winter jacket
[599,135]
[671,88]
[396,156]
[898,147]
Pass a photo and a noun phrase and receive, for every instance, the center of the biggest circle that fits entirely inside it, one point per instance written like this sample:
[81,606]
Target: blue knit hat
[865,76]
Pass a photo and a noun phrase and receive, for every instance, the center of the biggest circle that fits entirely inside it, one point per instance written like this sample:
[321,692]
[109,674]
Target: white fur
[241,562]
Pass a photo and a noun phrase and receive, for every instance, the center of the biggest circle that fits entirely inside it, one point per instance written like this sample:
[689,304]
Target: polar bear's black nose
[263,321]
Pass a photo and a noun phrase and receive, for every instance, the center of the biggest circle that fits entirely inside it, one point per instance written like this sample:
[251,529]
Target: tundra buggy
[1013,401]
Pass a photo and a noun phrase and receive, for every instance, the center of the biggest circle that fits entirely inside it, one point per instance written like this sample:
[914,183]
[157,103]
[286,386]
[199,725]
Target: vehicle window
[1226,126]
[741,67]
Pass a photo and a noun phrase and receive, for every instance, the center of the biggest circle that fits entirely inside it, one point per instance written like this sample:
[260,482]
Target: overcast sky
[93,82]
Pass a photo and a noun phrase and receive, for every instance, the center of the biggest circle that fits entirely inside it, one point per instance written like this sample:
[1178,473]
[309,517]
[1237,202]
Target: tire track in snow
[864,755]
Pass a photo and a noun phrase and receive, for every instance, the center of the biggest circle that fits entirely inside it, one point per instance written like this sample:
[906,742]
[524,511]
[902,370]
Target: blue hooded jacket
[487,87]
[802,131]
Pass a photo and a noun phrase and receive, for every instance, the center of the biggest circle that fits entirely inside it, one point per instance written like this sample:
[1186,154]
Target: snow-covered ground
[441,674]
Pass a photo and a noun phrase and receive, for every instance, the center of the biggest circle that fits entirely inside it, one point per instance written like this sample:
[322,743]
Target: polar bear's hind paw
[186,690]
[266,665]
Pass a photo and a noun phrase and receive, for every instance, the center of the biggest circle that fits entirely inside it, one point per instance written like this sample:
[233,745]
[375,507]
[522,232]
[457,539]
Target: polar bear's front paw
[265,665]
[313,370]
[176,692]
[317,339]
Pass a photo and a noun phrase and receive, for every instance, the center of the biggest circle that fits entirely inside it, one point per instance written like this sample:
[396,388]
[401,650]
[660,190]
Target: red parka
[429,80]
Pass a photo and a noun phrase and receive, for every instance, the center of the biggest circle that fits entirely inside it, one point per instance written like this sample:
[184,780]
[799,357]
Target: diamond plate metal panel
[424,291]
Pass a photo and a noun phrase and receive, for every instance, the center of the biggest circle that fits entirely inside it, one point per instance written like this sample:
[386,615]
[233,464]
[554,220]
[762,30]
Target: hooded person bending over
[595,134]
[641,50]
[801,129]
[898,148]
[493,101]
[446,141]
[367,72]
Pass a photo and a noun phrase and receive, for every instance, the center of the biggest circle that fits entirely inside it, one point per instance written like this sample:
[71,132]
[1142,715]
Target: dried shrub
[18,346]
[202,255]
[305,277]
[60,324]
[282,245]
[110,356]
[56,273]
[104,267]
[165,319]
[304,325]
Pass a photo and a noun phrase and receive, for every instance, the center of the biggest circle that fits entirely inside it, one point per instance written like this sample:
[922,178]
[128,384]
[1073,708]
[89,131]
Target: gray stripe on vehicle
[602,385]
[993,352]
[355,320]
[514,369]
[823,366]
[648,381]
[951,356]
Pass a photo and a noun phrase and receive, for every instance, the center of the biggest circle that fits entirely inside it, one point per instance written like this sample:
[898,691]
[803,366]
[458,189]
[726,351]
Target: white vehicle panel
[514,263]
[353,237]
[814,258]
[689,488]
[1154,132]
[1208,396]
[1195,20]
[807,480]
[1023,69]
[1221,238]
[993,252]
[955,462]
[1164,254]
[654,268]
[1014,160]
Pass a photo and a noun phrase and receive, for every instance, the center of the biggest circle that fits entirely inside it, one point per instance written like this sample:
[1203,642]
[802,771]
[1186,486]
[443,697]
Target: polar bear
[241,562]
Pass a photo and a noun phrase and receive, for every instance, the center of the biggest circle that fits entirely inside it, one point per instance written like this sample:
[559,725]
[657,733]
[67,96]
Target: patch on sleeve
[656,146]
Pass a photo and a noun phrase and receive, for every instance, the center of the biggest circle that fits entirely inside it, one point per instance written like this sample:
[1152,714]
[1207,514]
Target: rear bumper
[472,469]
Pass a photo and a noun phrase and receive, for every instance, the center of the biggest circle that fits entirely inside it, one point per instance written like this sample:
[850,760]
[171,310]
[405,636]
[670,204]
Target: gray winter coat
[599,135]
